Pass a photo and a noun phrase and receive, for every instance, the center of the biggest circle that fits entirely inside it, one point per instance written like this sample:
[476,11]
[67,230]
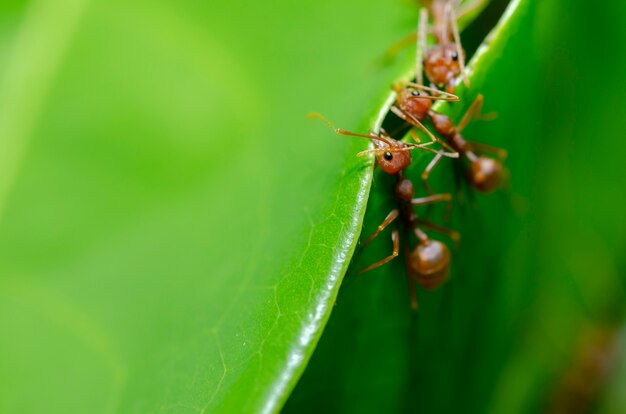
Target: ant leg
[444,23]
[472,111]
[471,6]
[490,116]
[427,172]
[395,48]
[451,86]
[447,197]
[417,139]
[410,279]
[395,236]
[414,121]
[422,201]
[498,152]
[454,235]
[387,221]
[421,45]
[457,40]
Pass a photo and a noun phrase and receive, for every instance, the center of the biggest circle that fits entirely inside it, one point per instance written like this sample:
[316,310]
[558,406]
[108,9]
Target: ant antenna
[444,39]
[340,131]
[421,44]
[440,95]
[442,153]
[414,121]
[472,112]
[457,40]
[392,145]
[409,147]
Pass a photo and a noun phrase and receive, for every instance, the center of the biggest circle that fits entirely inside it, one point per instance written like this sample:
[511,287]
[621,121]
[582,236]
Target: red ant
[444,61]
[414,105]
[485,174]
[591,366]
[429,262]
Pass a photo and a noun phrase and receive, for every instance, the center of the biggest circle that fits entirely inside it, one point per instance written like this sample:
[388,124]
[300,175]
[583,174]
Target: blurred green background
[173,231]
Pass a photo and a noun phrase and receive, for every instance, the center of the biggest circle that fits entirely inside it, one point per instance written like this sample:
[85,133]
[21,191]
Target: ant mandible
[428,263]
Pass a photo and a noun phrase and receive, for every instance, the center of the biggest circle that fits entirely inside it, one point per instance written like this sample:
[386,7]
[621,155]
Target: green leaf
[538,262]
[173,230]
[376,356]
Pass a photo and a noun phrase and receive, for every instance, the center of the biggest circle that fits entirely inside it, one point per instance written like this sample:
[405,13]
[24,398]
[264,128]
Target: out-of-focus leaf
[173,230]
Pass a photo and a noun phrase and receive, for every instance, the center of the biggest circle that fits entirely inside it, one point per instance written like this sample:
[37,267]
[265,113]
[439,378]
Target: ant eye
[455,56]
[415,93]
[388,156]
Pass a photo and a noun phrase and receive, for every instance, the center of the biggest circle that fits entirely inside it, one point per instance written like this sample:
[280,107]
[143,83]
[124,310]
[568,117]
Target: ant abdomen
[429,263]
[485,174]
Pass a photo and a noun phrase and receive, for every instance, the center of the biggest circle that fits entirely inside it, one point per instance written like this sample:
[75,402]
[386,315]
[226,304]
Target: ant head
[415,102]
[442,63]
[485,174]
[429,263]
[392,156]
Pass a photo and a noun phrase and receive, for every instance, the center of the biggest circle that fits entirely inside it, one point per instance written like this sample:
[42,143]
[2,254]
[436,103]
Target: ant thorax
[442,123]
[404,190]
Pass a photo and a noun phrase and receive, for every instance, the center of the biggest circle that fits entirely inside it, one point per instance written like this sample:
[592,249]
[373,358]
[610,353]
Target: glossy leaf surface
[535,267]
